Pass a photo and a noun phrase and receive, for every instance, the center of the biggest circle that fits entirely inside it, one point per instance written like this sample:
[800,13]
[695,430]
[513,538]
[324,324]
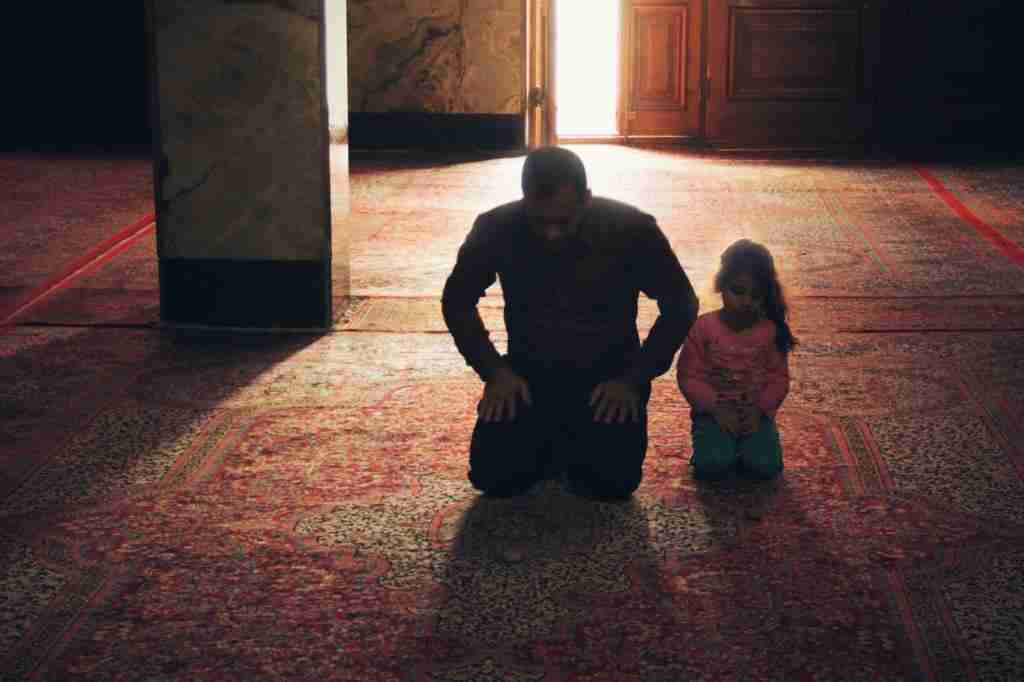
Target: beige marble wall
[240,107]
[444,56]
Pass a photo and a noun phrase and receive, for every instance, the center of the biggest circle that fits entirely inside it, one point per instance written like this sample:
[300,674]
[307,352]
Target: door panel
[793,54]
[789,74]
[658,76]
[661,67]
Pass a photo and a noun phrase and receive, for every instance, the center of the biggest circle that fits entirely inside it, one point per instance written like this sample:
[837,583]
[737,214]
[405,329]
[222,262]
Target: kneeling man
[570,396]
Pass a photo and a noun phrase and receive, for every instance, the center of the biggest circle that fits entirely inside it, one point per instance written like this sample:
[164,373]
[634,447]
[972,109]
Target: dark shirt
[574,311]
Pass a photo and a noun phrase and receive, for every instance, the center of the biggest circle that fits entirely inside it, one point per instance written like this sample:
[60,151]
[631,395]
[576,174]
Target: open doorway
[614,70]
[586,60]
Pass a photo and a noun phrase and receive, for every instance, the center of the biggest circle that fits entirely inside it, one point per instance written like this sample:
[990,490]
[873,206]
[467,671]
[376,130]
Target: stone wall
[438,56]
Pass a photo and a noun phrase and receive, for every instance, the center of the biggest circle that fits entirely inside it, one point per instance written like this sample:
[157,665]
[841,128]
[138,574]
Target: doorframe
[541,15]
[537,27]
[705,82]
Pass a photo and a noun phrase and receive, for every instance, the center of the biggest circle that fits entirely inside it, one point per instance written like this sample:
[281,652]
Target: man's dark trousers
[558,434]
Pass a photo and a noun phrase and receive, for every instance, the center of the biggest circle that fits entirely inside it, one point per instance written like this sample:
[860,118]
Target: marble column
[243,187]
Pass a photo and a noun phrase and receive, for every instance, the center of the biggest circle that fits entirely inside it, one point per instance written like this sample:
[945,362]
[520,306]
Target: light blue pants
[716,454]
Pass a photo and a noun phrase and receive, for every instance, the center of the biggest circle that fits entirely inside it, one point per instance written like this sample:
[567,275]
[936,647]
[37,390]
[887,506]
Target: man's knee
[612,471]
[607,463]
[498,441]
[505,458]
[504,476]
[594,486]
[494,485]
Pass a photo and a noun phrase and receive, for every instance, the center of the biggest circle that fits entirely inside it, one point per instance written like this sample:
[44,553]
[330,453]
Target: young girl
[734,369]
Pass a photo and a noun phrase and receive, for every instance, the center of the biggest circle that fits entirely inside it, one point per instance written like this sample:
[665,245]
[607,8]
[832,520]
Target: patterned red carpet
[194,507]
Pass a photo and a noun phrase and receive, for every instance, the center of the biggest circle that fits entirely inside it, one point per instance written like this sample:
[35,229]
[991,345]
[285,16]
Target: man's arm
[474,271]
[661,277]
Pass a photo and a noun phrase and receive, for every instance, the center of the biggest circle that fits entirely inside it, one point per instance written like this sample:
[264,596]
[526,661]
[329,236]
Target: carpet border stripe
[1009,248]
[91,259]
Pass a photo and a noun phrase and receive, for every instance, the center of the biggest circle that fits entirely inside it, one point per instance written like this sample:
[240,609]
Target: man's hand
[500,393]
[616,400]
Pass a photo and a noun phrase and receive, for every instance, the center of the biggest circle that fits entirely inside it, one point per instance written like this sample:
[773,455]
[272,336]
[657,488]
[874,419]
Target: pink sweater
[718,365]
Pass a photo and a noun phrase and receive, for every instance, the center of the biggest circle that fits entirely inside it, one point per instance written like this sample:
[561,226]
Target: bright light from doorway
[586,67]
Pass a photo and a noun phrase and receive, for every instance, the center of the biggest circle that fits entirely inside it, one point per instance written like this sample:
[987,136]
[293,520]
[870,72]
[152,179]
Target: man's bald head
[547,169]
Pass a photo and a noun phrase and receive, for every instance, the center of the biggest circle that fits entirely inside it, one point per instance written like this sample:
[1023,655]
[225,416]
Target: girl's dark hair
[754,259]
[546,169]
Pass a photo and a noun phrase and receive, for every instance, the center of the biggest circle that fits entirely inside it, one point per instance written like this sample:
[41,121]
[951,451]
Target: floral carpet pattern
[196,506]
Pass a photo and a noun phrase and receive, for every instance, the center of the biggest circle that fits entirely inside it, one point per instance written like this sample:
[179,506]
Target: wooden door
[661,63]
[790,72]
